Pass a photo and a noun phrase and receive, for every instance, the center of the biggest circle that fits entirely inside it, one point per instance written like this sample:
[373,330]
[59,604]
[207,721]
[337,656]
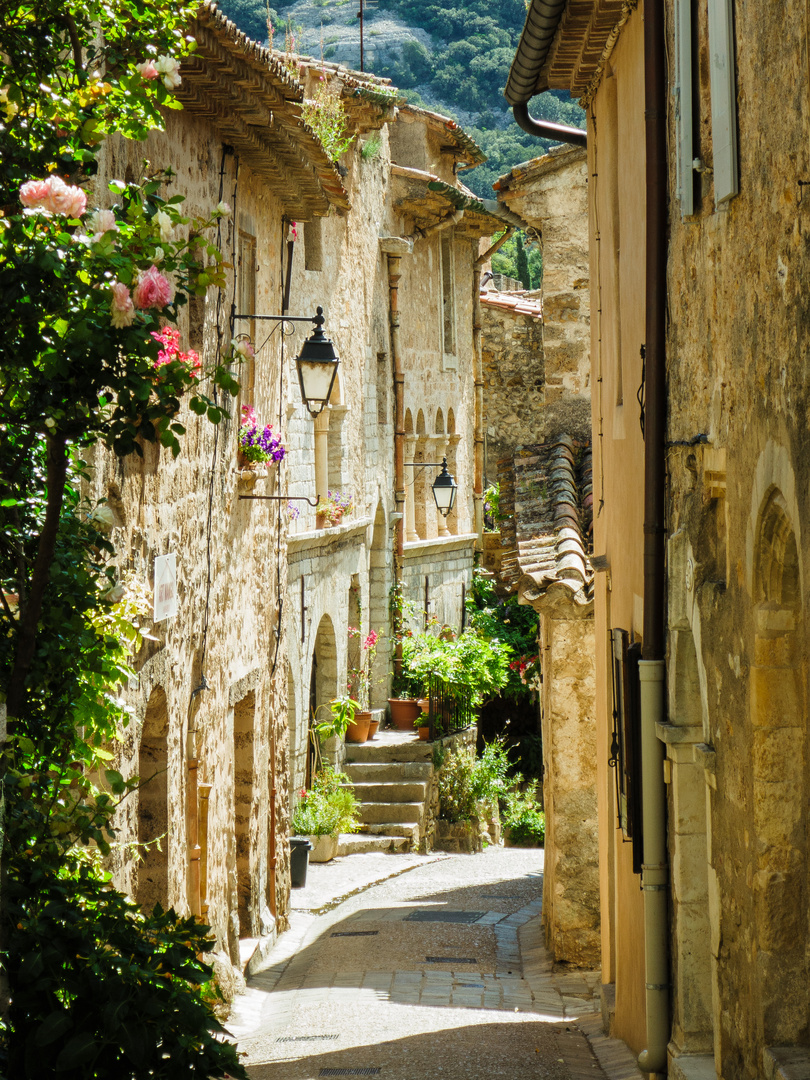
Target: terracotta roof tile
[547,493]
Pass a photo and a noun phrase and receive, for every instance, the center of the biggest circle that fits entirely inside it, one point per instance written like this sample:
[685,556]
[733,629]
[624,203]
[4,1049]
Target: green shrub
[457,796]
[328,808]
[523,817]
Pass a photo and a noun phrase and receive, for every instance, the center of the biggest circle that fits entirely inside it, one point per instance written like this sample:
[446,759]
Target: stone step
[393,828]
[392,791]
[380,812]
[387,752]
[383,772]
[360,843]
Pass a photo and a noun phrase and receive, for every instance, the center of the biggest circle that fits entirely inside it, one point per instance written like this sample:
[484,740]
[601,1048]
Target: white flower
[50,422]
[169,70]
[222,210]
[164,223]
[102,221]
[159,256]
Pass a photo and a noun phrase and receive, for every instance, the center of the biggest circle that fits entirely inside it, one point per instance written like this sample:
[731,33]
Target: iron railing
[449,710]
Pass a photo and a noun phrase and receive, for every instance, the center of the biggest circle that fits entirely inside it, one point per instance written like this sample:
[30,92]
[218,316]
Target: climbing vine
[92,280]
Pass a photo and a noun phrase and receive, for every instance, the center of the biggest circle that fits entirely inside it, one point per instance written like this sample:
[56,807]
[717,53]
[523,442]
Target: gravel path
[437,971]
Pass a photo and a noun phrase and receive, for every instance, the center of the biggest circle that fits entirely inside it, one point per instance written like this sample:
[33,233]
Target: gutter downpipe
[394,247]
[652,667]
[543,129]
[478,436]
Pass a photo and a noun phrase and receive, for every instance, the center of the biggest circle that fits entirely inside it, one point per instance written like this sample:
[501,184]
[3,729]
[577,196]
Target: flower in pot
[328,809]
[258,446]
[359,683]
[332,508]
[422,725]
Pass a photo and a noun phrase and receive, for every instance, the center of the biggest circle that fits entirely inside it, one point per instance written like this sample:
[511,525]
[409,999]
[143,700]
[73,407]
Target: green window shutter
[724,100]
[683,106]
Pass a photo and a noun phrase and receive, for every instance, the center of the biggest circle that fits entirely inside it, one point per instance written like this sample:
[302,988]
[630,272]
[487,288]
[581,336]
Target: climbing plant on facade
[91,282]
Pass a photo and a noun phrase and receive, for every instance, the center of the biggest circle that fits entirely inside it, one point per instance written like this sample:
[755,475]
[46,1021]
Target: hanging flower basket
[257,447]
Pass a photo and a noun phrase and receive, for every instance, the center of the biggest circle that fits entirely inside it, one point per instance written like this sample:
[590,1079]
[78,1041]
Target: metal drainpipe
[542,129]
[395,248]
[652,669]
[478,437]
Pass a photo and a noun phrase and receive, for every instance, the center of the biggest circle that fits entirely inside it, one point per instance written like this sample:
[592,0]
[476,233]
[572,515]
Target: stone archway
[379,572]
[778,756]
[153,805]
[245,811]
[323,677]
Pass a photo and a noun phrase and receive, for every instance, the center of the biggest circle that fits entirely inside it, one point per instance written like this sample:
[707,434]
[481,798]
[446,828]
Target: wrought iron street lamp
[444,486]
[317,362]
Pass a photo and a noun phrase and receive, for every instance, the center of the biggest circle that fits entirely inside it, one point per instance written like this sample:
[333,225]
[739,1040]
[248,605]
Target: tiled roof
[527,172]
[516,302]
[427,200]
[547,493]
[252,100]
[457,137]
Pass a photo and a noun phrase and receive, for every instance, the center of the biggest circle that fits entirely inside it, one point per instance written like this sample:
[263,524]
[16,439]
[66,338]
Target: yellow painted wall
[617,207]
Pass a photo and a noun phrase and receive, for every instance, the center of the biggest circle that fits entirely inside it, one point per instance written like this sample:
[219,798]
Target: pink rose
[147,70]
[122,310]
[55,196]
[34,193]
[153,289]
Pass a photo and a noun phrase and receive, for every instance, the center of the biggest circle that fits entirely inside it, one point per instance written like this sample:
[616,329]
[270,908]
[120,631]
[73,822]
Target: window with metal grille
[625,754]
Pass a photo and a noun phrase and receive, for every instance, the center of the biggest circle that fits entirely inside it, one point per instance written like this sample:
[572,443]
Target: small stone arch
[439,429]
[336,396]
[379,572]
[778,756]
[153,805]
[451,422]
[245,809]
[420,423]
[408,422]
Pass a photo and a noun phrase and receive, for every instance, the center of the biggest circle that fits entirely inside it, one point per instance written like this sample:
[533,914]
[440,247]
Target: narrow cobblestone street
[438,970]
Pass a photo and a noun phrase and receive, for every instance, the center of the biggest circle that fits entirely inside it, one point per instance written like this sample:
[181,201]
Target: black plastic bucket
[300,848]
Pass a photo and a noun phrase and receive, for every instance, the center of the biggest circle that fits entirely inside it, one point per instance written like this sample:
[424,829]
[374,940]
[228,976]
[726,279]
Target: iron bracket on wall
[282,498]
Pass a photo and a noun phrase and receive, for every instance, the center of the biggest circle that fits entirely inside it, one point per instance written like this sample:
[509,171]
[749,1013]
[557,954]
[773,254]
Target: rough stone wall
[571,914]
[514,384]
[448,566]
[352,287]
[552,195]
[230,574]
[739,564]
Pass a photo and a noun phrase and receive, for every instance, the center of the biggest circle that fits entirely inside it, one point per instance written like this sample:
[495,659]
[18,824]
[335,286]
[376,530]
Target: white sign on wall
[165,600]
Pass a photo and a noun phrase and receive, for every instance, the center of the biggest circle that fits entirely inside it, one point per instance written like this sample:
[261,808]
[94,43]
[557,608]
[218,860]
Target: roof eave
[542,22]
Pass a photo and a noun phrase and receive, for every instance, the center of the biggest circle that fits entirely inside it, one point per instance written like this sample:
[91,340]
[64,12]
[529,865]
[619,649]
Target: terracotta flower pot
[373,728]
[424,732]
[403,713]
[357,731]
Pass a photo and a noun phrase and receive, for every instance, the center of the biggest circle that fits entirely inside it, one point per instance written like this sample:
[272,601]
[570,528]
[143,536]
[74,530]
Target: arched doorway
[778,754]
[245,808]
[153,805]
[323,675]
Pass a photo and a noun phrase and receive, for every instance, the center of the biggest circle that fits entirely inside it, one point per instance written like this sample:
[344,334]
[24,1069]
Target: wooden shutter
[627,732]
[724,100]
[683,106]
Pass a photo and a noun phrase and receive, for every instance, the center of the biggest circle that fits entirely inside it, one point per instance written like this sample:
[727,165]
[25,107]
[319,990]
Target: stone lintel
[438,545]
[303,543]
[237,690]
[675,733]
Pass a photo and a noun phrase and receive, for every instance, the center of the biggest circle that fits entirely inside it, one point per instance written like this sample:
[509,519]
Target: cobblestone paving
[439,971]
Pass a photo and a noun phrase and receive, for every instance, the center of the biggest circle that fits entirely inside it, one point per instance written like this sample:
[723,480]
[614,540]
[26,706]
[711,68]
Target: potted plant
[359,686]
[422,725]
[257,447]
[328,809]
[405,690]
[332,508]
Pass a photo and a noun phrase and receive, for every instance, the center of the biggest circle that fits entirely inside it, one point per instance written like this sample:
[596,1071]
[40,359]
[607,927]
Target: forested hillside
[453,57]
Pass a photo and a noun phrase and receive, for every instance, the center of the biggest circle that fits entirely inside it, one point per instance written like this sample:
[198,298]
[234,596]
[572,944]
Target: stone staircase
[392,779]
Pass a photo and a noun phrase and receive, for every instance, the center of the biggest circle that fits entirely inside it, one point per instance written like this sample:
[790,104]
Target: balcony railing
[450,709]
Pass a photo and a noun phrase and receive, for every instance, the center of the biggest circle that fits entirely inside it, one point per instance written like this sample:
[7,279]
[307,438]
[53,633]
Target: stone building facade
[721,317]
[209,730]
